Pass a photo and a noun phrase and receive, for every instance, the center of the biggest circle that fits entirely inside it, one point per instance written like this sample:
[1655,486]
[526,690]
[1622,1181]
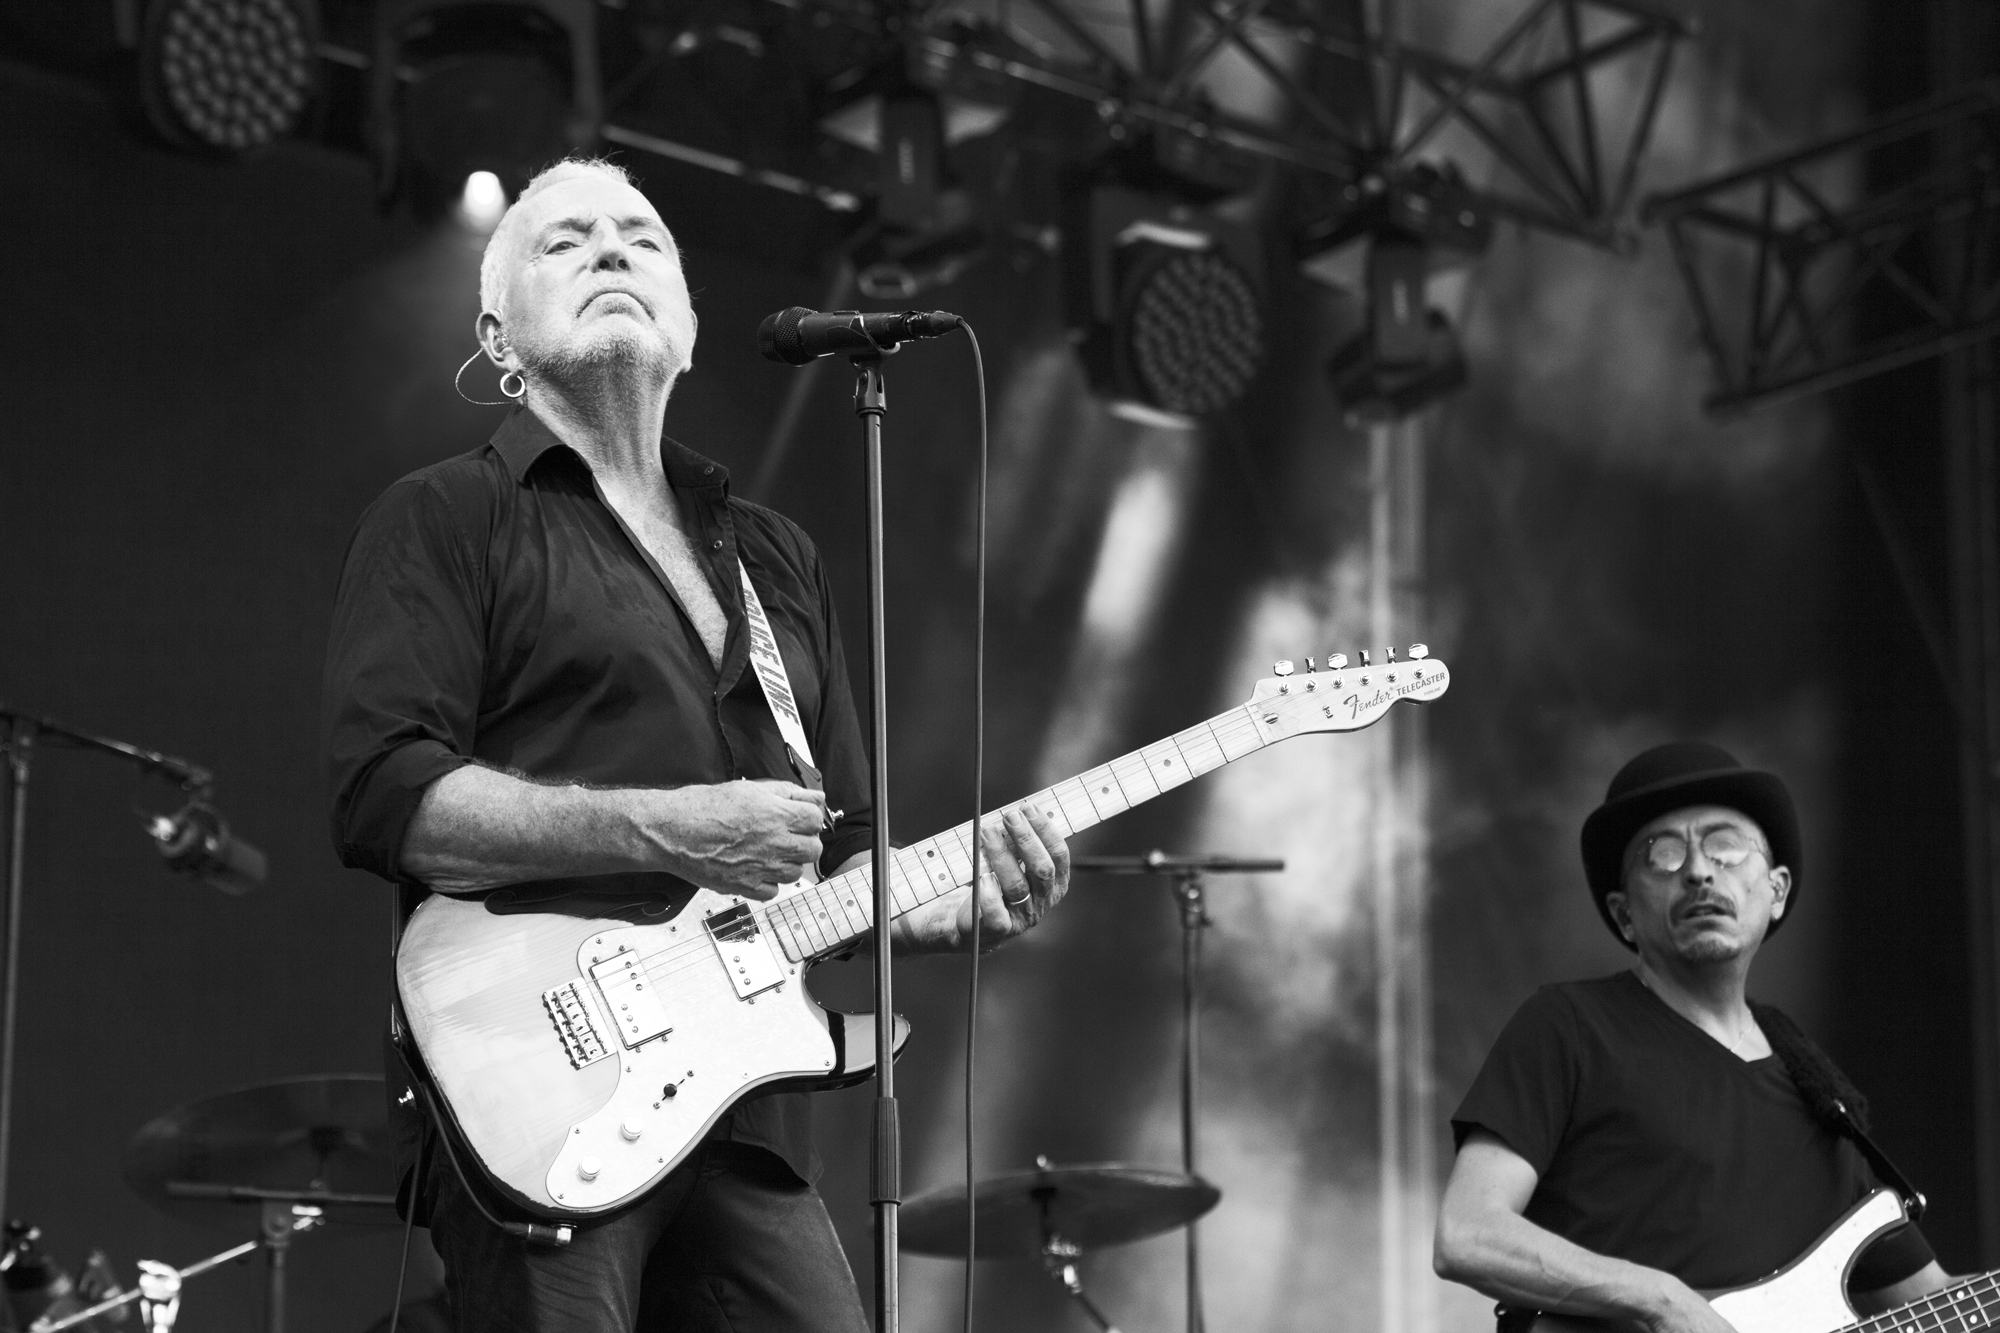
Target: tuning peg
[1391,654]
[1419,651]
[1311,666]
[1282,669]
[1336,661]
[1364,658]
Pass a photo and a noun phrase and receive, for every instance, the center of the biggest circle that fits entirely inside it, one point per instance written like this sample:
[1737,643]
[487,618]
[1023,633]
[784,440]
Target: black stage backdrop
[209,370]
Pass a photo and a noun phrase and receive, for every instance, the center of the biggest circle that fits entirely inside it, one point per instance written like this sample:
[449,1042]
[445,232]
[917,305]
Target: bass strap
[1832,1099]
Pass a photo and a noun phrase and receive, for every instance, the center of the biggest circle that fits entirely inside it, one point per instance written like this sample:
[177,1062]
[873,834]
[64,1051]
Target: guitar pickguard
[691,1044]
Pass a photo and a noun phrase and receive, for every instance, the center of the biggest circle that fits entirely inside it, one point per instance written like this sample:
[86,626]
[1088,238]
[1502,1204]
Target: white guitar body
[578,1060]
[570,1138]
[1809,1295]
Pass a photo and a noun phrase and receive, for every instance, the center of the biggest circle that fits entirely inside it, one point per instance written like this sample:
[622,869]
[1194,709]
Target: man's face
[594,278]
[1704,911]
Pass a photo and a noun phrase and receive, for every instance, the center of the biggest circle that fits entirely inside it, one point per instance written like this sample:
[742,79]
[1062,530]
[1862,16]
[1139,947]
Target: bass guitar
[1809,1295]
[576,1060]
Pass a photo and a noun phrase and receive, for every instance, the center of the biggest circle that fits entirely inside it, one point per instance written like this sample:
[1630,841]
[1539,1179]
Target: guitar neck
[832,915]
[1961,1308]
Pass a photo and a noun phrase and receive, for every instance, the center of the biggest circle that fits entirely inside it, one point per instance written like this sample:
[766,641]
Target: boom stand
[1191,894]
[871,404]
[18,733]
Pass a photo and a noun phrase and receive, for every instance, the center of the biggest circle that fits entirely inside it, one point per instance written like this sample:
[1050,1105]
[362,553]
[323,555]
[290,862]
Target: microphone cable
[978,815]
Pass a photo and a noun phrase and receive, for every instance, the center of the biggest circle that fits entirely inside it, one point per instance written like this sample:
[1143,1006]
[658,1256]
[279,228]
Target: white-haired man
[537,678]
[1635,1140]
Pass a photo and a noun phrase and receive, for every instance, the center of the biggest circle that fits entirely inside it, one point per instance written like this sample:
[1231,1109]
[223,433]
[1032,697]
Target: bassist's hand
[750,838]
[1026,865]
[1679,1308]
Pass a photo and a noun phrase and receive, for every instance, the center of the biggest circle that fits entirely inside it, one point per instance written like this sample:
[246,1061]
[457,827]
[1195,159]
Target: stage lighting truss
[1776,261]
[228,76]
[1560,105]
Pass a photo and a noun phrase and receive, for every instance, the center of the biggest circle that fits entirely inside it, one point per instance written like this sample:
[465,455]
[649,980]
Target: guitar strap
[1914,1201]
[1831,1098]
[769,664]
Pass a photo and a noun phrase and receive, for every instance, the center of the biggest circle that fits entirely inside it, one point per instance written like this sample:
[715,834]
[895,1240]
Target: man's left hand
[1026,865]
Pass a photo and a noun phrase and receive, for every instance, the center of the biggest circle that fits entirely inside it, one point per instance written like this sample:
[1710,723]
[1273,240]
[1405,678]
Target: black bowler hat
[1670,777]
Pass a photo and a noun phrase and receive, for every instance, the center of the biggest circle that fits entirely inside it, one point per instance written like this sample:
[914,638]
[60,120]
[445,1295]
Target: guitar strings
[1234,725]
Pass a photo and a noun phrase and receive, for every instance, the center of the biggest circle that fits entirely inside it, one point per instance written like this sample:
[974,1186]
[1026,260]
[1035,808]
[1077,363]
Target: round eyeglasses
[1725,846]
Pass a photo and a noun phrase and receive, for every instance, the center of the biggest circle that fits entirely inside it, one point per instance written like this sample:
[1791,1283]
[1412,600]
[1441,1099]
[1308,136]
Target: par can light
[1163,299]
[1193,330]
[228,76]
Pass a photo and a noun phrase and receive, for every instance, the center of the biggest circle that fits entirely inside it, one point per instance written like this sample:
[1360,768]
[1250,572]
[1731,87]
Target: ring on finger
[1016,902]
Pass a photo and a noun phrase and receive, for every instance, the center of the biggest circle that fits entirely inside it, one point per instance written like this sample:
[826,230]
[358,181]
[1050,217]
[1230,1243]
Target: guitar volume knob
[631,1129]
[588,1168]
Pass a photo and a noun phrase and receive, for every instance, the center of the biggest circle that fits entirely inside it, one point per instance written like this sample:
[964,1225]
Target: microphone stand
[1191,894]
[871,404]
[19,733]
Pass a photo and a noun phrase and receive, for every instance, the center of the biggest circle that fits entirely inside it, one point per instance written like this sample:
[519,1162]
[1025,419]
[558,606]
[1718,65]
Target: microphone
[799,335]
[196,843]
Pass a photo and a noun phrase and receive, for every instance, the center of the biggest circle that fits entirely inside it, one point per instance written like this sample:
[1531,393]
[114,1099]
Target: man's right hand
[749,838]
[1682,1309]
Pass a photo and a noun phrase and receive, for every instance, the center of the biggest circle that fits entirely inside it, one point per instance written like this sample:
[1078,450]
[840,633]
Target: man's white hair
[492,277]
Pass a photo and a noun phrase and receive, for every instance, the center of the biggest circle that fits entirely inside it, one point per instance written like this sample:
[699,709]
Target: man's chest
[663,535]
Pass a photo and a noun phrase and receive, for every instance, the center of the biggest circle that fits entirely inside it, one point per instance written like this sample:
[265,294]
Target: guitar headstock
[1339,695]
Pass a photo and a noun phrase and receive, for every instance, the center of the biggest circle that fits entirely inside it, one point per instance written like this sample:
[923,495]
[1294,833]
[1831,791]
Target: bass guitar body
[1809,1295]
[581,1059]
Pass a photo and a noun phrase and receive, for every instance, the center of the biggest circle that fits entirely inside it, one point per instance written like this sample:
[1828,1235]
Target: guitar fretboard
[1964,1308]
[832,915]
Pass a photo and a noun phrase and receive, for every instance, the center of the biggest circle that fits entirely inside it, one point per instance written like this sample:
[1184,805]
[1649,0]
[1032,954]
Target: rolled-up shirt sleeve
[404,665]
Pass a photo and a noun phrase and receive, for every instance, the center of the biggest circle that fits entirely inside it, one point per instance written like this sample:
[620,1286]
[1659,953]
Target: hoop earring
[520,384]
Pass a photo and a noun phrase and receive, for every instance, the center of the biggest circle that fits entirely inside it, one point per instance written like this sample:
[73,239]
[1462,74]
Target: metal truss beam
[1810,259]
[1530,101]
[1534,101]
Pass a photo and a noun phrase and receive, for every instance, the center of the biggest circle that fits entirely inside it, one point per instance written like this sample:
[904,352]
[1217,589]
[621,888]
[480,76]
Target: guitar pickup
[635,1008]
[575,1018]
[745,951]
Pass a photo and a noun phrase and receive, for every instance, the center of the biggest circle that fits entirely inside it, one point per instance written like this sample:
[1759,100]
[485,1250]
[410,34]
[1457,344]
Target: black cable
[534,1233]
[409,1225]
[978,814]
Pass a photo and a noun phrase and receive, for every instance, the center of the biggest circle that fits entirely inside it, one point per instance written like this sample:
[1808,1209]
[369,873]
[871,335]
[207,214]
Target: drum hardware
[306,1153]
[1057,1213]
[1184,874]
[158,1293]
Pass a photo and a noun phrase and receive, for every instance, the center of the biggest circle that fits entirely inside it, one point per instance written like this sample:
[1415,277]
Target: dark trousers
[730,1242]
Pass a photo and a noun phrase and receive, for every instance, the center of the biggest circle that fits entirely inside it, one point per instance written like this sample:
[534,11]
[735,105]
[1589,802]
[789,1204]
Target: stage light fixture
[927,229]
[1165,301]
[227,76]
[1406,354]
[506,87]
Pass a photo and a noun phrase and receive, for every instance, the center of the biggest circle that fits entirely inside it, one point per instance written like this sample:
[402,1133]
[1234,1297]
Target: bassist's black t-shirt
[1656,1145]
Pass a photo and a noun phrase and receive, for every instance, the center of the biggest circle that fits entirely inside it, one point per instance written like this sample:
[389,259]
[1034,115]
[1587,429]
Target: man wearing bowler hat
[1633,1140]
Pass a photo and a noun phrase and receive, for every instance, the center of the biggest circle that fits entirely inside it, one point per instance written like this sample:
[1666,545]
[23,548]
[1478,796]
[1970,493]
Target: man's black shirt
[1655,1144]
[494,609]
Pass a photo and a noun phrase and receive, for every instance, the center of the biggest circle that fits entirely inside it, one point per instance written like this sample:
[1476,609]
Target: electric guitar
[576,1060]
[1809,1295]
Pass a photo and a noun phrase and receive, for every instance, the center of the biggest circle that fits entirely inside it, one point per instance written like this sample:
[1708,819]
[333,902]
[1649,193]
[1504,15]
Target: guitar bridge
[576,1024]
[745,951]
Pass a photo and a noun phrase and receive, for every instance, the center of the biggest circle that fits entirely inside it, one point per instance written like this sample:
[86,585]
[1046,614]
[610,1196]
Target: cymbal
[323,1141]
[1105,1203]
